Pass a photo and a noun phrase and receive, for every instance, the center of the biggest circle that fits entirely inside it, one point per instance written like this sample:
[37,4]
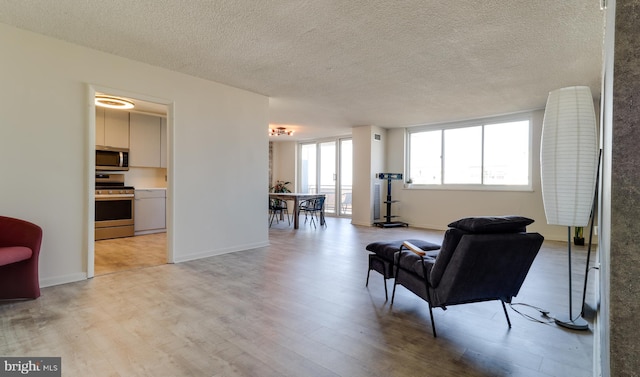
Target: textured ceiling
[330,65]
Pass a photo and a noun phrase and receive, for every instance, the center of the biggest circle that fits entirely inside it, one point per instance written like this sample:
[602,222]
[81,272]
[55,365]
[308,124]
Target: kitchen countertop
[150,188]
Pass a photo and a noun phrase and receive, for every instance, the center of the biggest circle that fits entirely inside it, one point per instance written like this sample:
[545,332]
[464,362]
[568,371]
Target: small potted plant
[578,236]
[280,186]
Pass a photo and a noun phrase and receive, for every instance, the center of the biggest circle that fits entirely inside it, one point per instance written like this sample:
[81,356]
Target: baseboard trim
[213,253]
[63,279]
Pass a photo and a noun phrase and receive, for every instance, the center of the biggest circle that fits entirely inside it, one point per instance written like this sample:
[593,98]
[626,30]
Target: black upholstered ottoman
[382,258]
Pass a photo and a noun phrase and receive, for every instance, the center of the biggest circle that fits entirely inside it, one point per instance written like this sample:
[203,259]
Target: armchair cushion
[451,239]
[386,249]
[492,224]
[411,262]
[13,254]
[20,243]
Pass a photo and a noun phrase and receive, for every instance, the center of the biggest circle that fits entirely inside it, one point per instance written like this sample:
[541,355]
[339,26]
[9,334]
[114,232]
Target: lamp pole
[571,323]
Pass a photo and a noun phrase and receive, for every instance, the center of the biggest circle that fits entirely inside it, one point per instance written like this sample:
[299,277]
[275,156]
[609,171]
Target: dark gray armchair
[481,259]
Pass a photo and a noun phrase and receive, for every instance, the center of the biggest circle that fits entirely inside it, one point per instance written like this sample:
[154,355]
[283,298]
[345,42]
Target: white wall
[285,163]
[368,159]
[603,322]
[434,209]
[218,146]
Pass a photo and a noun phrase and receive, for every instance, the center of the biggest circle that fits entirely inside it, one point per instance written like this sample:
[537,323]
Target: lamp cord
[543,312]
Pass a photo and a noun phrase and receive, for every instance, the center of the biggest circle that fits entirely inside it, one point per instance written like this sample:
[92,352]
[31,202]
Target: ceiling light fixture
[280,131]
[113,102]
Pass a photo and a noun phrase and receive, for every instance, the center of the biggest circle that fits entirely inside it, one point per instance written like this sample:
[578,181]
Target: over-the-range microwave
[112,159]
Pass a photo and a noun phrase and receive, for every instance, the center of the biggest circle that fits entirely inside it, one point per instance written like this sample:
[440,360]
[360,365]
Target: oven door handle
[114,196]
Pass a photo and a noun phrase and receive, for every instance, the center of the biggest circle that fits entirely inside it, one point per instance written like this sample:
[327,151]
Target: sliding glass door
[308,164]
[326,168]
[346,177]
[327,176]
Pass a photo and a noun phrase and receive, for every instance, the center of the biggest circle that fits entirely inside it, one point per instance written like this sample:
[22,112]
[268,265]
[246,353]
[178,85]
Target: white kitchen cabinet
[112,127]
[145,140]
[150,211]
[163,142]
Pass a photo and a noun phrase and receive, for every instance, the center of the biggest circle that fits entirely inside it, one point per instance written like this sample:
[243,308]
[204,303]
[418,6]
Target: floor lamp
[568,160]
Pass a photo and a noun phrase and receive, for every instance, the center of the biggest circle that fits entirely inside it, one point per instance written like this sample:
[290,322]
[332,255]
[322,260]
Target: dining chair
[278,208]
[305,206]
[314,209]
[346,202]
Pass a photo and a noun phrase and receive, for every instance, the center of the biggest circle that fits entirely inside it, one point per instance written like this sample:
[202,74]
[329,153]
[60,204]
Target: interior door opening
[132,192]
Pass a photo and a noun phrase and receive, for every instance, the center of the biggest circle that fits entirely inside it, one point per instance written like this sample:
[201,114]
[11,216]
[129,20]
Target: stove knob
[110,192]
[98,192]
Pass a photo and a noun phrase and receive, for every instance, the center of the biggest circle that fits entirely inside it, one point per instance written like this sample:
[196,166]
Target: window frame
[525,116]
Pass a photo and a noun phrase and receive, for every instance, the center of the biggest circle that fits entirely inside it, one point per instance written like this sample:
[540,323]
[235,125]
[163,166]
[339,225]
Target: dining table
[297,197]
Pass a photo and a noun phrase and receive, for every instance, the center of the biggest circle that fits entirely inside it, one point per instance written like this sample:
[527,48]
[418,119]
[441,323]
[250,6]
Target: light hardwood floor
[130,253]
[296,308]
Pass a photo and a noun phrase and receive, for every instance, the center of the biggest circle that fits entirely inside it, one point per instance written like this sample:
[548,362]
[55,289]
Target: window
[478,154]
[462,155]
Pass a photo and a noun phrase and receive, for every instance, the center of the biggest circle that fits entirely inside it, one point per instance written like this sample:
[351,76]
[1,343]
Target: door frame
[92,89]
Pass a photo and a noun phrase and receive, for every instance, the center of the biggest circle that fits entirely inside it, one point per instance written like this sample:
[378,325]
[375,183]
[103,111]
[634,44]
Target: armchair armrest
[414,248]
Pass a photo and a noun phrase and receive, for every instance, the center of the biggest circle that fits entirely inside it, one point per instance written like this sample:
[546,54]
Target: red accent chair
[19,251]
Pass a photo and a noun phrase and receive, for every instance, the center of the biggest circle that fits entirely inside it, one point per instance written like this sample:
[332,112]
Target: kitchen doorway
[136,131]
[130,253]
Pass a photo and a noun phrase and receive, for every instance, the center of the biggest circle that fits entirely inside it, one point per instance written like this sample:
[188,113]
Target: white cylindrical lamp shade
[568,156]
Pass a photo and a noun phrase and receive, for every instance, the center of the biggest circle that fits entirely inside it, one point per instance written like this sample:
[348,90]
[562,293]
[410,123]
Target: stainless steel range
[114,207]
